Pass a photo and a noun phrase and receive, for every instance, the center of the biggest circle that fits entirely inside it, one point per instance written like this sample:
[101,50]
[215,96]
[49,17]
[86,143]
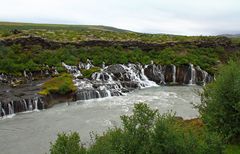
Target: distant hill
[6,26]
[231,35]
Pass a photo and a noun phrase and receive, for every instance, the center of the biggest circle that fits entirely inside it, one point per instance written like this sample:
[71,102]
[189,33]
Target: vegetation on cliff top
[15,59]
[62,84]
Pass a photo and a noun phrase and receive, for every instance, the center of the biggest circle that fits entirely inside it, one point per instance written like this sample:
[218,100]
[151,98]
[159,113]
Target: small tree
[67,144]
[220,107]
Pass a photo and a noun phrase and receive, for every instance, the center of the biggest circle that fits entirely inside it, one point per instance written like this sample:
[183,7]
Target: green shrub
[62,84]
[67,144]
[88,73]
[220,107]
[148,132]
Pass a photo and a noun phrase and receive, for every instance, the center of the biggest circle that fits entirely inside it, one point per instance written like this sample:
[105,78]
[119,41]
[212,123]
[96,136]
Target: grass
[232,149]
[75,33]
[62,85]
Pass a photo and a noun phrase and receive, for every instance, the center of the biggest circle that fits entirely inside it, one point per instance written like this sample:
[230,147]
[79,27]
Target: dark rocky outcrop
[28,41]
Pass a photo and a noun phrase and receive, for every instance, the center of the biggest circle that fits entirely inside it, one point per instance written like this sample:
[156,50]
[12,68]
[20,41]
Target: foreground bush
[148,132]
[67,144]
[220,108]
[62,85]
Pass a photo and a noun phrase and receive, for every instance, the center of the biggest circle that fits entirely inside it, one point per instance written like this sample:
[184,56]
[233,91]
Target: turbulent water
[32,132]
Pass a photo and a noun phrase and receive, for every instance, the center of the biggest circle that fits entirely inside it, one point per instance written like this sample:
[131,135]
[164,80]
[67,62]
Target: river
[31,133]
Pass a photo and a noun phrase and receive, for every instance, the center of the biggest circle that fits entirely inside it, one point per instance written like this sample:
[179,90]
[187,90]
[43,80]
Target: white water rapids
[29,133]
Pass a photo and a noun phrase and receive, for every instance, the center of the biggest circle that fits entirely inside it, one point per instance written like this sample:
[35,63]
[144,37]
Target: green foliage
[15,59]
[67,144]
[232,149]
[220,107]
[148,132]
[89,72]
[62,85]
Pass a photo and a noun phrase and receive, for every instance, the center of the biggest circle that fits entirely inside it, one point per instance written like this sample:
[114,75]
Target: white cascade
[36,104]
[146,80]
[10,108]
[174,73]
[30,106]
[193,75]
[140,78]
[72,69]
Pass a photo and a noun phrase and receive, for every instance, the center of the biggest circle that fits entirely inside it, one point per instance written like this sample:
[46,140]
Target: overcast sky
[187,17]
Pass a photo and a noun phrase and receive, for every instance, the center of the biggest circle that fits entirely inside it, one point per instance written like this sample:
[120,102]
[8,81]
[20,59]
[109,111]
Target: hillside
[30,47]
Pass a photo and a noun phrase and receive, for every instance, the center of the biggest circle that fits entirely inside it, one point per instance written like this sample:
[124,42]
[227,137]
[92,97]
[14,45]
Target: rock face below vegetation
[28,41]
[113,80]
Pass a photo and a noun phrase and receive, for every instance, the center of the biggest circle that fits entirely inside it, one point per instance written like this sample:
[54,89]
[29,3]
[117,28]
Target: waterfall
[25,74]
[36,104]
[72,69]
[10,108]
[174,73]
[136,73]
[146,80]
[193,75]
[103,65]
[30,106]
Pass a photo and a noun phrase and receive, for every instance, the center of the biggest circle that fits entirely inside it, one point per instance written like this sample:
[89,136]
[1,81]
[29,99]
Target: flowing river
[31,133]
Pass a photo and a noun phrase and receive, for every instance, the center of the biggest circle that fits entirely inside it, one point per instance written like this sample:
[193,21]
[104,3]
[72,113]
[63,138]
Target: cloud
[189,17]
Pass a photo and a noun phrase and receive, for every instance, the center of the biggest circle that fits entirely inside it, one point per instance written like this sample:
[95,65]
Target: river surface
[31,133]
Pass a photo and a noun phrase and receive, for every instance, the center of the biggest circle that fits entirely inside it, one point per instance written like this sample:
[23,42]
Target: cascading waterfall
[174,73]
[147,81]
[139,77]
[36,104]
[30,106]
[10,108]
[193,75]
[72,69]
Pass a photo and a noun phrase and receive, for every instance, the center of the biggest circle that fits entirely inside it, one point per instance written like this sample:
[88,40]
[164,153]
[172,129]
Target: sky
[181,17]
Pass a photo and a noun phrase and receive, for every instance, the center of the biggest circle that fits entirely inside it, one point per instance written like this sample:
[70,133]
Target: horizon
[176,17]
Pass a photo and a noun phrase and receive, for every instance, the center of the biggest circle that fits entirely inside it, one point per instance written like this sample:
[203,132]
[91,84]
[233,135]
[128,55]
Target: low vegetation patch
[62,85]
[87,73]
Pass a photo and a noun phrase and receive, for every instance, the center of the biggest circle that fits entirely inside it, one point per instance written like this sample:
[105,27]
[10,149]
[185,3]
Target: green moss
[89,72]
[62,85]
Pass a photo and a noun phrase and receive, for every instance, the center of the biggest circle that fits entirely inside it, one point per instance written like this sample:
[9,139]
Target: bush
[148,132]
[220,107]
[88,73]
[67,144]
